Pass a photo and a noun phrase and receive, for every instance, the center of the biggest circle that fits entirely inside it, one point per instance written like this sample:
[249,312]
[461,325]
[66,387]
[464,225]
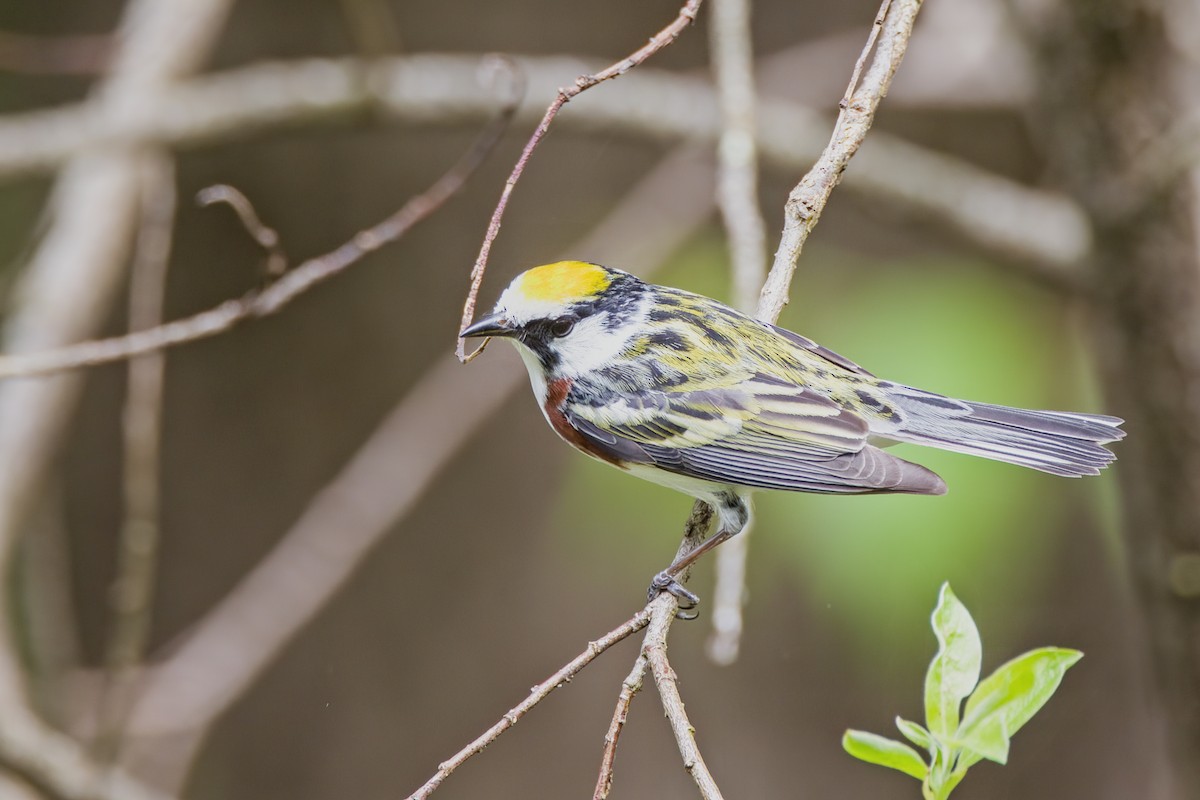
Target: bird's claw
[666,582]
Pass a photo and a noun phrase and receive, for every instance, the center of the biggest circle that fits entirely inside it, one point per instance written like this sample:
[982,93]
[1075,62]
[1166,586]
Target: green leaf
[954,671]
[915,733]
[876,749]
[989,741]
[968,758]
[1009,697]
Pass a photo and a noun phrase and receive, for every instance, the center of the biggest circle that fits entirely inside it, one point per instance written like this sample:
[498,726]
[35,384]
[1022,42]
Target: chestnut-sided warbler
[686,392]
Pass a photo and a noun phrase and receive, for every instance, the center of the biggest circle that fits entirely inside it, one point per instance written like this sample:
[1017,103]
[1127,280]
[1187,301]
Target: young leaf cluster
[955,737]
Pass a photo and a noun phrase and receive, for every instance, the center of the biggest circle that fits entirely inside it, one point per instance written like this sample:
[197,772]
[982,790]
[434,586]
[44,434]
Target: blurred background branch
[732,51]
[137,558]
[1043,232]
[65,292]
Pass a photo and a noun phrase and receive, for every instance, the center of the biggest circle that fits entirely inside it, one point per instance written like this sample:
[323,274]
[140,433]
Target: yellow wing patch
[563,281]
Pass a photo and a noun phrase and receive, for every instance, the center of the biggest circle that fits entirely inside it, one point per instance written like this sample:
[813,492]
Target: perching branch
[686,16]
[654,648]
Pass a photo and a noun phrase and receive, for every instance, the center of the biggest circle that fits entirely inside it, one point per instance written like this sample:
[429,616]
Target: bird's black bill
[491,325]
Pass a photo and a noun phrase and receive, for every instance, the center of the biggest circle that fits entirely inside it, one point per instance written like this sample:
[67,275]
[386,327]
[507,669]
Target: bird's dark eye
[562,326]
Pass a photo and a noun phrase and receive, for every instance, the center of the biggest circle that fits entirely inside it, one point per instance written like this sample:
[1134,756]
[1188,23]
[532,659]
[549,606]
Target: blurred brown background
[516,551]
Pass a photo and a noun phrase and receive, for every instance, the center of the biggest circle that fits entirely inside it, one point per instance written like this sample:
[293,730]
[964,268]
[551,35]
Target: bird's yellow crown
[563,281]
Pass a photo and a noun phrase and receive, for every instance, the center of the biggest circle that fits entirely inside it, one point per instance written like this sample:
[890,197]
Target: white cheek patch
[591,346]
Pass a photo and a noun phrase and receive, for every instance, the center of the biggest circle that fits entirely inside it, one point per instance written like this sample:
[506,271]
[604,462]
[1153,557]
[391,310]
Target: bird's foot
[666,582]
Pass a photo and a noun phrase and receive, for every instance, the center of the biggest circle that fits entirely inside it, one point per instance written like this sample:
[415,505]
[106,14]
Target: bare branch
[56,764]
[737,148]
[872,37]
[737,197]
[65,295]
[629,687]
[276,296]
[729,595]
[686,16]
[536,695]
[654,648]
[807,200]
[373,26]
[133,589]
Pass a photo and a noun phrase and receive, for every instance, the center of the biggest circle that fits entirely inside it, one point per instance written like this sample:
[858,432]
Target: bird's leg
[734,515]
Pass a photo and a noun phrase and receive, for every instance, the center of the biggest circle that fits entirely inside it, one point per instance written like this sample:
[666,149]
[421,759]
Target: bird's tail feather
[1059,442]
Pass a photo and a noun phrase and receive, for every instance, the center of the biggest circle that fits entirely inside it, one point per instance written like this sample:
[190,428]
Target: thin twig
[275,297]
[654,648]
[686,16]
[737,197]
[844,103]
[133,589]
[629,687]
[807,200]
[536,695]
[264,236]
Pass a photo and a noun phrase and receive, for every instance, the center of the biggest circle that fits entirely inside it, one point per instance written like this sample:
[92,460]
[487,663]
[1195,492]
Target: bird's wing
[820,350]
[762,432]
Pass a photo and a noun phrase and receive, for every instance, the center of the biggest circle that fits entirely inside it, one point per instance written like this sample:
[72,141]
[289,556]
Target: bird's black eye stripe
[563,325]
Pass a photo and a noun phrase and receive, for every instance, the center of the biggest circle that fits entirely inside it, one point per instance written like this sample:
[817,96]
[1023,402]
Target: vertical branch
[737,197]
[737,150]
[893,28]
[133,589]
[372,26]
